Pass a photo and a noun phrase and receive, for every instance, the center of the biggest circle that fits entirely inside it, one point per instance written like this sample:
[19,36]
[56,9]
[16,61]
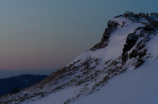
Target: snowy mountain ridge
[127,43]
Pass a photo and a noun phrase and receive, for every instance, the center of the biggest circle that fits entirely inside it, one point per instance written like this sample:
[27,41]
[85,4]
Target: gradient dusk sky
[48,34]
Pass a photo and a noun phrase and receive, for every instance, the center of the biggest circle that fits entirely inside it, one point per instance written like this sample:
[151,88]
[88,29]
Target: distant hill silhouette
[8,85]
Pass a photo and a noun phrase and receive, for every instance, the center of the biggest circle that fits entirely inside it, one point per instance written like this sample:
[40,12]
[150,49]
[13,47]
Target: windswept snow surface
[152,46]
[140,19]
[132,87]
[56,97]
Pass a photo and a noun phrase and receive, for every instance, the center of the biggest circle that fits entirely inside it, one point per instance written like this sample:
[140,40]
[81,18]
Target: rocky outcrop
[135,45]
[112,25]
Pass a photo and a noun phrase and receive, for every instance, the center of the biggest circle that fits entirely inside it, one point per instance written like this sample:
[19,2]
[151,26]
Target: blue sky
[48,34]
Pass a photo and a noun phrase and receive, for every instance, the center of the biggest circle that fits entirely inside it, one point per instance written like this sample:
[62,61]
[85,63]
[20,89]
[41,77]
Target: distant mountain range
[13,84]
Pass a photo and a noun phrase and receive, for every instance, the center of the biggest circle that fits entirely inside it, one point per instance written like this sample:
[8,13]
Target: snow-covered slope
[132,87]
[105,73]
